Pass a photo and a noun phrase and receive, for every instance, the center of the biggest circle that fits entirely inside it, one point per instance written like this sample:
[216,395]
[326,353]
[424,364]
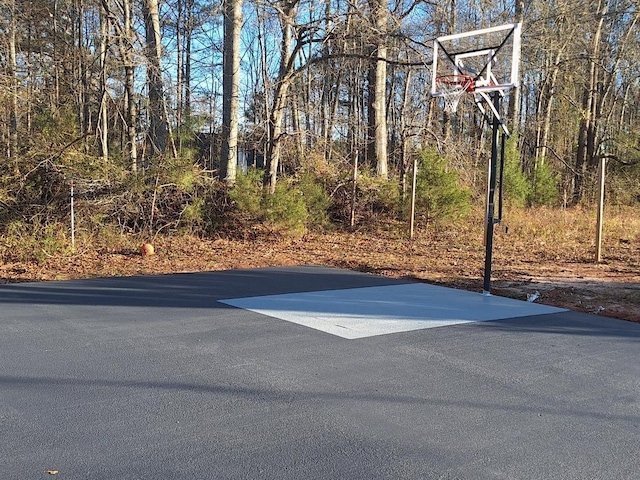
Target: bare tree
[286,73]
[378,88]
[13,79]
[586,132]
[158,123]
[230,89]
[103,122]
[514,94]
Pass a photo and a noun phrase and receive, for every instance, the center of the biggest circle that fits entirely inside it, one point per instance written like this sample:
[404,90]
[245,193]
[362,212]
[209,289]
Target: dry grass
[551,251]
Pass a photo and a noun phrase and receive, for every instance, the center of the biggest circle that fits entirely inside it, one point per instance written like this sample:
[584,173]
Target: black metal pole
[503,141]
[495,97]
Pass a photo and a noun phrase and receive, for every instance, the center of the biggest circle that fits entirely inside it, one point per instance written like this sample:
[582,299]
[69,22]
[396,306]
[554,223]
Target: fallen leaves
[562,271]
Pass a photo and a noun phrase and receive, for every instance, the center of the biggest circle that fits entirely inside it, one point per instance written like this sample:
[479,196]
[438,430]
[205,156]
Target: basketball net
[452,87]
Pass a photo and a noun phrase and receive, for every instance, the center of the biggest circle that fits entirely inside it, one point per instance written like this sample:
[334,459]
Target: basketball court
[368,311]
[250,374]
[318,373]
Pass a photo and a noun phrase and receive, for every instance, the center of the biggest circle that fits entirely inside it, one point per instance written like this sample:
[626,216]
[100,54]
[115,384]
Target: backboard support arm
[487,97]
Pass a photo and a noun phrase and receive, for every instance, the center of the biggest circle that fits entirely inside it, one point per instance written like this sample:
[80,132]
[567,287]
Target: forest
[146,106]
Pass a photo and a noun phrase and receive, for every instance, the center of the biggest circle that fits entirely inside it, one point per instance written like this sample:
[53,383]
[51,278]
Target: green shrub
[516,185]
[53,127]
[286,209]
[35,241]
[316,200]
[194,215]
[181,171]
[377,195]
[439,195]
[544,186]
[247,192]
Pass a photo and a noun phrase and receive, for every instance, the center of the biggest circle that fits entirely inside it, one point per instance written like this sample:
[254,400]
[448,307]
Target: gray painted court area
[154,377]
[368,311]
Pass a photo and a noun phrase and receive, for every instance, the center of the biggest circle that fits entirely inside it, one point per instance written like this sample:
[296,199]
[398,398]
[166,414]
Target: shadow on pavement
[186,290]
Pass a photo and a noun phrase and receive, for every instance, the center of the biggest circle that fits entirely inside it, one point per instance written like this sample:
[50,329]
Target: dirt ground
[545,254]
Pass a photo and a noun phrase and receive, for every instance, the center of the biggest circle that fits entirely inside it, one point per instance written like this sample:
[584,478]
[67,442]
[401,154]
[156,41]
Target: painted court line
[365,312]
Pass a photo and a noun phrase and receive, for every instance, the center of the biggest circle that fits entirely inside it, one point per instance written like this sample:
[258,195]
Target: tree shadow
[274,395]
[205,289]
[570,323]
[186,290]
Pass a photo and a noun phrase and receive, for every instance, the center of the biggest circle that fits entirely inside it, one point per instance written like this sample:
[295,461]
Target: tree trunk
[188,34]
[296,121]
[587,131]
[103,116]
[55,98]
[84,110]
[179,71]
[13,67]
[230,89]
[404,132]
[158,125]
[546,106]
[514,94]
[285,77]
[378,90]
[129,69]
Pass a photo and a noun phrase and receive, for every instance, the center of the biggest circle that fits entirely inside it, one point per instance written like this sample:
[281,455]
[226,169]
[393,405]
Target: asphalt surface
[153,378]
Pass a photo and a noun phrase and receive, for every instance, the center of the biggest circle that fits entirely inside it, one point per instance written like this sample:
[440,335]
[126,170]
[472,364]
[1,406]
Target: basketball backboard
[489,56]
[485,64]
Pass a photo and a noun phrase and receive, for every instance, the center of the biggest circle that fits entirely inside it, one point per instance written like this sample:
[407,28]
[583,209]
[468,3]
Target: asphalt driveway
[154,377]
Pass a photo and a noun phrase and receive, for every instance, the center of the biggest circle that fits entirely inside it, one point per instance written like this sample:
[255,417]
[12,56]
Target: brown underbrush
[543,250]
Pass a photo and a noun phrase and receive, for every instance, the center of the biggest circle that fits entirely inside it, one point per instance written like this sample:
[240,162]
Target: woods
[169,93]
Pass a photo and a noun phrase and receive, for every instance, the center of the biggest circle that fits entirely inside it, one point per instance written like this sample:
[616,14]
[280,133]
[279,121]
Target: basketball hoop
[452,87]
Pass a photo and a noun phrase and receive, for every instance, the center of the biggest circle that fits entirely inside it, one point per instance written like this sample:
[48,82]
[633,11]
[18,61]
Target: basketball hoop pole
[491,190]
[490,57]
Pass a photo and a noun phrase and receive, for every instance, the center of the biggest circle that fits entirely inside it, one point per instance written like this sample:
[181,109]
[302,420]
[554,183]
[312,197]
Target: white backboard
[490,55]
